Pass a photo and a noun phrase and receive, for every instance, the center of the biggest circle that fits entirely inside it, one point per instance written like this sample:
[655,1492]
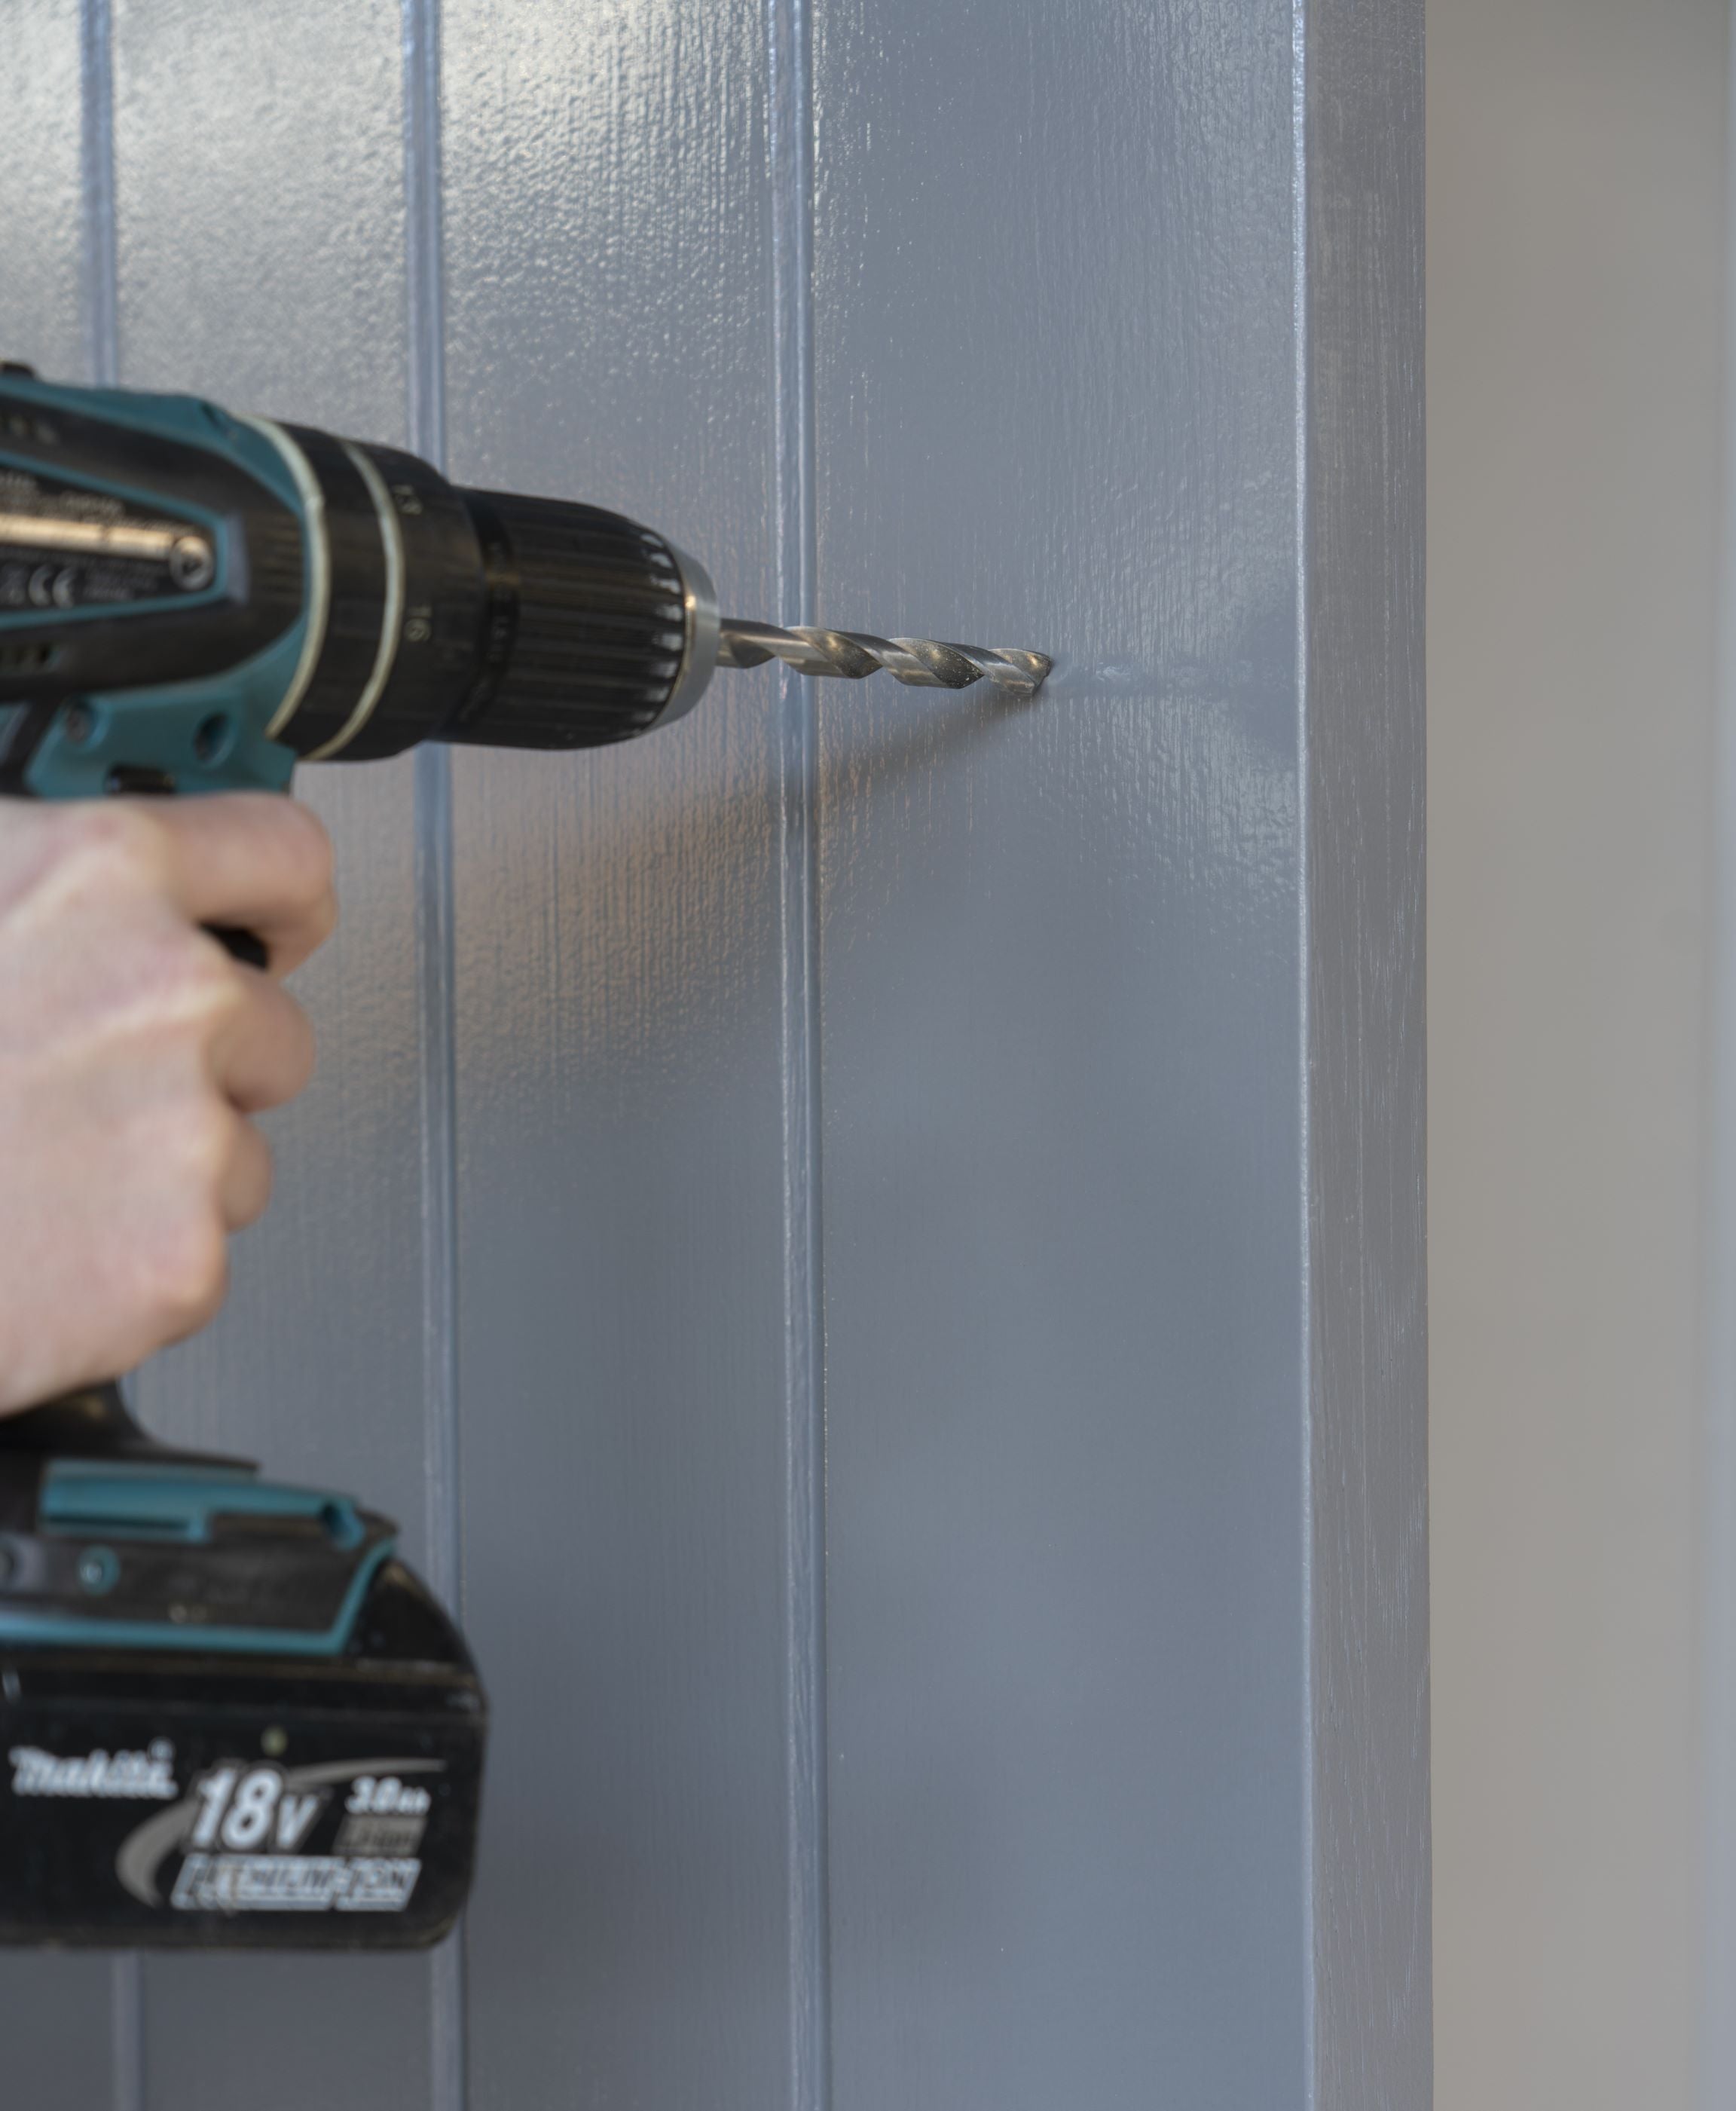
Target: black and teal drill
[230,1714]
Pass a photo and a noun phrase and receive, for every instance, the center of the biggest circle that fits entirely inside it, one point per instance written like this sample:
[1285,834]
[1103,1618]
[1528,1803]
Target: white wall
[1576,189]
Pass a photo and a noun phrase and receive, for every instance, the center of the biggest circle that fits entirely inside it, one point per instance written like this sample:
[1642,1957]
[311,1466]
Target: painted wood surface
[848,1231]
[1062,1124]
[619,1061]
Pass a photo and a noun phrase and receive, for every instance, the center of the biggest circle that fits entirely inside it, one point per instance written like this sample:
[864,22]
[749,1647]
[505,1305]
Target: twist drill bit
[924,663]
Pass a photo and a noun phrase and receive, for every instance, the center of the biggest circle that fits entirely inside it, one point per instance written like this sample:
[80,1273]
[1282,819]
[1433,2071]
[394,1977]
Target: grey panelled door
[873,1239]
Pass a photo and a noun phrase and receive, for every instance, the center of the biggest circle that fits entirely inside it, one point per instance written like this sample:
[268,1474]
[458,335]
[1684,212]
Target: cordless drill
[230,1714]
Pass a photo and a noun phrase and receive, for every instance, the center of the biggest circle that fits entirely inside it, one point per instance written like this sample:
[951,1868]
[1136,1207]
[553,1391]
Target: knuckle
[297,1075]
[323,916]
[115,840]
[299,1048]
[280,1042]
[199,1142]
[258,1175]
[190,1272]
[308,846]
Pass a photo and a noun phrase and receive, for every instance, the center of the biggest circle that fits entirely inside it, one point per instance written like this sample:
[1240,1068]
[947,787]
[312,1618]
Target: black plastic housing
[373,1867]
[532,623]
[599,626]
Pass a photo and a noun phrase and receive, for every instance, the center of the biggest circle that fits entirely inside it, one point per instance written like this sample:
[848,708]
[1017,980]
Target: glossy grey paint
[619,1072]
[929,1269]
[1060,1025]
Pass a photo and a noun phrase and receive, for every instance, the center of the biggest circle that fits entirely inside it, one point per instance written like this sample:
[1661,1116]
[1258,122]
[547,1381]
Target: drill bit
[924,663]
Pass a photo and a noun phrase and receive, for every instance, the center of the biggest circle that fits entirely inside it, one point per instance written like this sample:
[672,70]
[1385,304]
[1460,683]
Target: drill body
[191,600]
[230,1715]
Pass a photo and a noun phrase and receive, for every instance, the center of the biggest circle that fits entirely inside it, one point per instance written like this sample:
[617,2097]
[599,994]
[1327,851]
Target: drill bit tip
[924,663]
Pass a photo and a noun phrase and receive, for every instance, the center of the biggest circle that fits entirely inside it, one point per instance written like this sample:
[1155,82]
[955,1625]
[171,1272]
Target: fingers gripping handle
[95,1417]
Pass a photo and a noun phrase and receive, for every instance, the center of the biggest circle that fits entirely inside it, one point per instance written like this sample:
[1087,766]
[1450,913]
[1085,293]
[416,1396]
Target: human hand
[132,1051]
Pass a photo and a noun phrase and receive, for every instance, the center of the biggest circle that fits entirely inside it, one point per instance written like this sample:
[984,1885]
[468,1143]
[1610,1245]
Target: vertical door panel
[618,963]
[1062,1159]
[916,1075]
[259,185]
[54,2018]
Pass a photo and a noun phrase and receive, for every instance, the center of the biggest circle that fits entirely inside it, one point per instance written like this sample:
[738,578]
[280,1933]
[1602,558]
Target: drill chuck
[486,617]
[613,630]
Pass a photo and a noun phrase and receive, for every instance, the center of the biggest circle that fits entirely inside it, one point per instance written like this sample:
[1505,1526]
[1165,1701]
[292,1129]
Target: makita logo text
[124,1777]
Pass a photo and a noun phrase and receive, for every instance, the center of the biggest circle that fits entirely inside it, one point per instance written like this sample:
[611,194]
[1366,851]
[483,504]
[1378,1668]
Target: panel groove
[97,149]
[1299,326]
[127,2031]
[425,415]
[1716,2045]
[789,145]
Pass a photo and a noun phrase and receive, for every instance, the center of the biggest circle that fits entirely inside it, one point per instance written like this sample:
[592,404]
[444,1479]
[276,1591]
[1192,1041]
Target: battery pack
[230,1717]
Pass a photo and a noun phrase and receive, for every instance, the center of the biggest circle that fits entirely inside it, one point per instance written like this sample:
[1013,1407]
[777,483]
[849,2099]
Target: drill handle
[241,945]
[95,1420]
[92,1422]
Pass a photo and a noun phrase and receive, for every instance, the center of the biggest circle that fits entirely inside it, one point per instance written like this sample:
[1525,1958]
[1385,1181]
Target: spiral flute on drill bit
[923,663]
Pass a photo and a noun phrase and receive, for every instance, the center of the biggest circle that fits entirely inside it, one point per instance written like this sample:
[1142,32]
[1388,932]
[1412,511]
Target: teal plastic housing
[96,1499]
[178,1503]
[168,727]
